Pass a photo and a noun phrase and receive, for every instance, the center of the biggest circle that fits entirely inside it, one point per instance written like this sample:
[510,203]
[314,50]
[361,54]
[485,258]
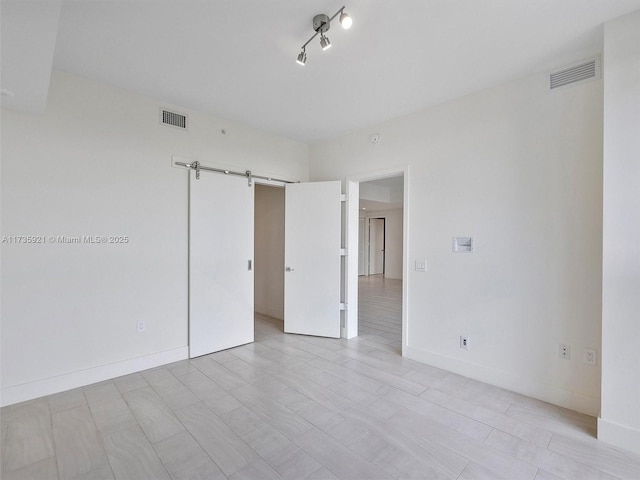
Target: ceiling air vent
[581,72]
[173,119]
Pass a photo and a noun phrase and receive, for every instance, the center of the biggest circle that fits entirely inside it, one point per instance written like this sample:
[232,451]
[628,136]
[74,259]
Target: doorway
[269,211]
[380,280]
[222,259]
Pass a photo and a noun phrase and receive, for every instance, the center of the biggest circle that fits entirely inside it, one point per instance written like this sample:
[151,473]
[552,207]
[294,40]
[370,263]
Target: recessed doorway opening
[380,261]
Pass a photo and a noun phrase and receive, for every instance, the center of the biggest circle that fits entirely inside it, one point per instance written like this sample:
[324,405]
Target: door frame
[352,184]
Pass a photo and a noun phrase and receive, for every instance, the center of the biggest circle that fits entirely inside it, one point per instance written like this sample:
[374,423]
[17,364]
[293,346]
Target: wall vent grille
[581,72]
[173,119]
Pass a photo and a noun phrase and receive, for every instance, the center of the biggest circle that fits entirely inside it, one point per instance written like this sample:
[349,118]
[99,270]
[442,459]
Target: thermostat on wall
[463,244]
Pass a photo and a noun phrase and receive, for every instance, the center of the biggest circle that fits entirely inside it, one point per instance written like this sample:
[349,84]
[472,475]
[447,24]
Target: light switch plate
[421,265]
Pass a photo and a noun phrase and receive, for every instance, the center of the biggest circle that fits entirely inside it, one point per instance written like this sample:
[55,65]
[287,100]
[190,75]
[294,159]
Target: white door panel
[220,249]
[376,246]
[312,256]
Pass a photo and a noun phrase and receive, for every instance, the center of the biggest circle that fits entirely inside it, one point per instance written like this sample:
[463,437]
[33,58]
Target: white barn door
[313,223]
[220,263]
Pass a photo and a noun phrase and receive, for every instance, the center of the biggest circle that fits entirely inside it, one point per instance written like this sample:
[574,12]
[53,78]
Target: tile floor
[294,407]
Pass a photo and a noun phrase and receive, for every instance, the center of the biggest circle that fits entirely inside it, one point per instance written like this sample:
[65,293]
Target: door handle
[288,269]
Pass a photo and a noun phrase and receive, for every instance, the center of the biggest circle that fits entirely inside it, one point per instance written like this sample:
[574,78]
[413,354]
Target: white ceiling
[236,58]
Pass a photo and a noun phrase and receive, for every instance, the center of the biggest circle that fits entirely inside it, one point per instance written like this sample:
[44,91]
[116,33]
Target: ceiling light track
[321,24]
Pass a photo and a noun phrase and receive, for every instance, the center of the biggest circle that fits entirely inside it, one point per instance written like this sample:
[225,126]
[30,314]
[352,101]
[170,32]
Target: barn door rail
[250,176]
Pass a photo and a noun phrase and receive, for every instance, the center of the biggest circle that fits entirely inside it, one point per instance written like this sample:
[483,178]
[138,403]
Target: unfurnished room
[314,240]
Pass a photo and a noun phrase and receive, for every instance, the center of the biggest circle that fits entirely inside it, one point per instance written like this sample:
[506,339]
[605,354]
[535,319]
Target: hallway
[380,312]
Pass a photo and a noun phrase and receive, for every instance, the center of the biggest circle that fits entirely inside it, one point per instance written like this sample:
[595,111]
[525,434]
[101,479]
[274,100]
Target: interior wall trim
[60,383]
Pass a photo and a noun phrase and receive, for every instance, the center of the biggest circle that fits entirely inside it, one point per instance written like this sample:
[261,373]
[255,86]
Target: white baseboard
[548,393]
[619,435]
[60,383]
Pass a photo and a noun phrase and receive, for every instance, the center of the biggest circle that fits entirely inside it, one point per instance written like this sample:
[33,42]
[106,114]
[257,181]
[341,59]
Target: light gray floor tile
[473,471]
[492,418]
[154,416]
[171,389]
[390,379]
[607,459]
[180,399]
[130,382]
[544,475]
[182,367]
[321,474]
[222,357]
[348,375]
[262,437]
[102,392]
[218,373]
[278,416]
[67,400]
[78,449]
[220,442]
[559,465]
[256,470]
[29,438]
[43,470]
[417,450]
[252,374]
[209,392]
[112,415]
[554,419]
[132,457]
[185,459]
[158,375]
[441,415]
[465,446]
[338,460]
[294,464]
[102,473]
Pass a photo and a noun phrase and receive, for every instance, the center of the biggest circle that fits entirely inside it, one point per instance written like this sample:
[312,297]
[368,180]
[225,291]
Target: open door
[220,263]
[313,221]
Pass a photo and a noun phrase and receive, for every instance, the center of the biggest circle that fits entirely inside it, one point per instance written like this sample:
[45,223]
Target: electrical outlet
[565,351]
[590,356]
[465,342]
[140,326]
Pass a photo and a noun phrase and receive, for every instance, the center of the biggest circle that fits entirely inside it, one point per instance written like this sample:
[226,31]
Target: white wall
[393,239]
[97,162]
[377,193]
[520,170]
[620,416]
[269,251]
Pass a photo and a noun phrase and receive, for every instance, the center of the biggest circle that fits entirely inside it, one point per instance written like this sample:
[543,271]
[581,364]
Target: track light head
[302,57]
[345,20]
[325,43]
[321,25]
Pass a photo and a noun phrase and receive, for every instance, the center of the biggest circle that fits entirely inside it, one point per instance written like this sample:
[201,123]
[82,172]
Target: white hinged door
[313,222]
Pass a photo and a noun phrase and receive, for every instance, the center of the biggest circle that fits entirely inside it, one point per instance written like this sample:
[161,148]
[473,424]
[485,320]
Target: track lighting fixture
[325,43]
[321,24]
[302,57]
[345,20]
